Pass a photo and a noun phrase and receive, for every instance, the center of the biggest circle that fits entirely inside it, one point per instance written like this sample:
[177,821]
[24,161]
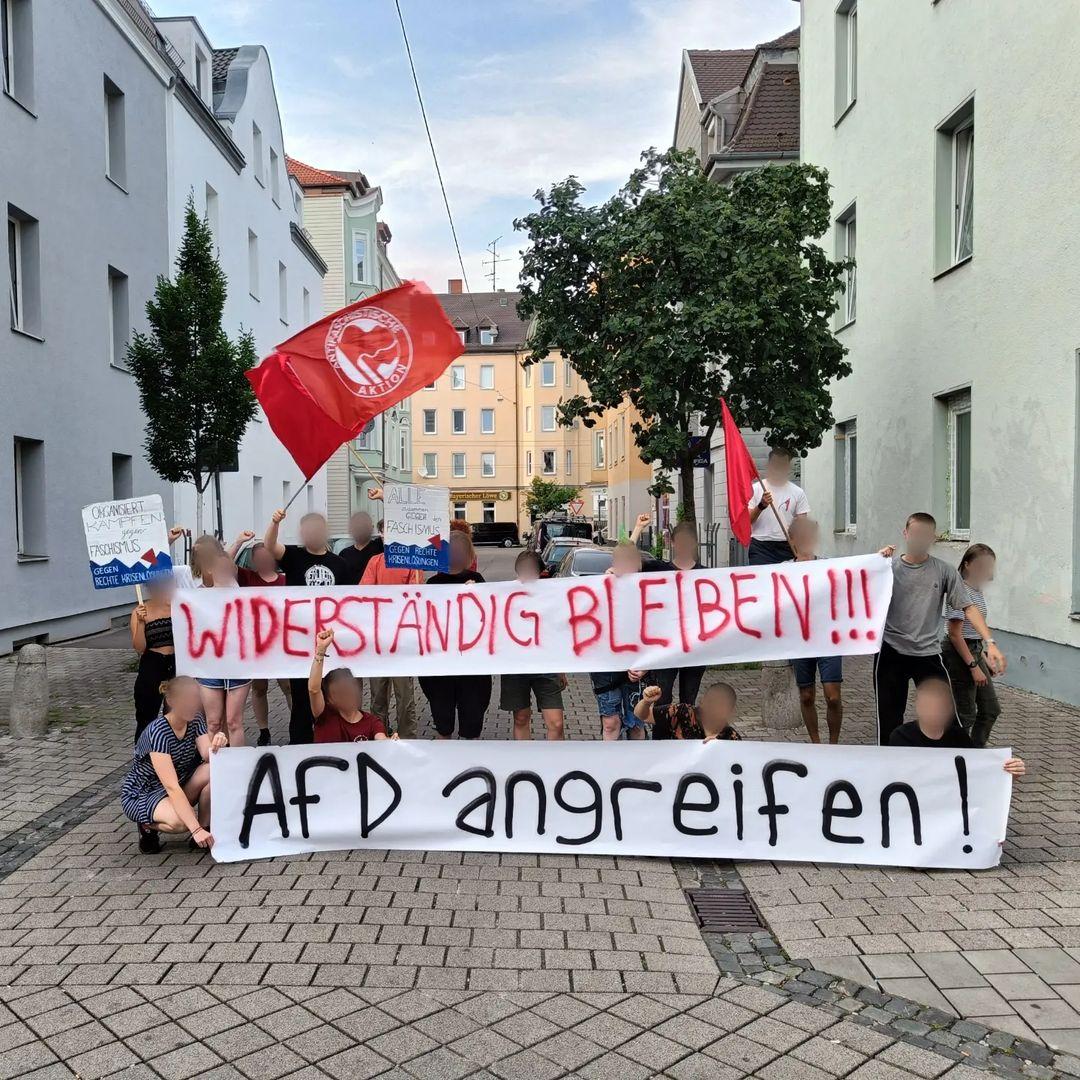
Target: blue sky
[520,93]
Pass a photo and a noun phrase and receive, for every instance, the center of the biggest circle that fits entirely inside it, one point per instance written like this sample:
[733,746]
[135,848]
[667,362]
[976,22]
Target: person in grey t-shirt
[911,645]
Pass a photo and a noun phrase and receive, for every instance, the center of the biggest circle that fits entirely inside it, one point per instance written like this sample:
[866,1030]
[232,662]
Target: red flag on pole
[322,386]
[741,474]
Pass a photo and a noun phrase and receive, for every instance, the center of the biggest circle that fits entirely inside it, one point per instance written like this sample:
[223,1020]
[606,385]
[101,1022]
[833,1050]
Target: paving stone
[484,1047]
[1053,965]
[828,1055]
[921,990]
[1021,987]
[193,1060]
[1048,1014]
[948,970]
[915,1060]
[893,966]
[525,1065]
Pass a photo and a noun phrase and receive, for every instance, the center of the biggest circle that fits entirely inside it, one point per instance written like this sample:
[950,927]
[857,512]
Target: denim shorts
[223,684]
[620,702]
[831,669]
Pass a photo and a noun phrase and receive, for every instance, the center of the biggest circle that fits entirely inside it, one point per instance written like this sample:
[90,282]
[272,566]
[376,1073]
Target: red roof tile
[790,40]
[309,176]
[770,118]
[719,70]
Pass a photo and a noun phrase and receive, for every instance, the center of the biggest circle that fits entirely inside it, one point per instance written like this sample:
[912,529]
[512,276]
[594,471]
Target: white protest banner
[128,541]
[416,528]
[648,621]
[718,800]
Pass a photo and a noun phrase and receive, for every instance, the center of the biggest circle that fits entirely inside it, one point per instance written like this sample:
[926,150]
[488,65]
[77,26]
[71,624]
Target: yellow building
[487,427]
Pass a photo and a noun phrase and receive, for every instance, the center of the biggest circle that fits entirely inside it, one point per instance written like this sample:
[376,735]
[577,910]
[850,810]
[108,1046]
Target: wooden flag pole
[379,483]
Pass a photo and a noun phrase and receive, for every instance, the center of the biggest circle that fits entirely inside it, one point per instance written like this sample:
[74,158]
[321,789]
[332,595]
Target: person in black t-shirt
[457,700]
[364,548]
[311,562]
[935,724]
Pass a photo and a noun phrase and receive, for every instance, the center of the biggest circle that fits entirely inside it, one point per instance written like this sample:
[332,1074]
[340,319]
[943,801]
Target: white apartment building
[949,131]
[226,149]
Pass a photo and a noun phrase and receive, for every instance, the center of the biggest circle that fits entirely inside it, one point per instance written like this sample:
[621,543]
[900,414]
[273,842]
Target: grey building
[84,186]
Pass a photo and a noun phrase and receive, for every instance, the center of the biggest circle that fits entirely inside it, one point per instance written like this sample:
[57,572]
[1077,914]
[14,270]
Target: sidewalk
[353,964]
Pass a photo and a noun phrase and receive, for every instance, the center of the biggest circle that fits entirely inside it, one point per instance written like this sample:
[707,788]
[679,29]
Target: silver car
[585,561]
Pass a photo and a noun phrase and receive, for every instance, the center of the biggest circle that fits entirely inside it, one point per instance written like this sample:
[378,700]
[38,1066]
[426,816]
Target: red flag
[324,384]
[741,474]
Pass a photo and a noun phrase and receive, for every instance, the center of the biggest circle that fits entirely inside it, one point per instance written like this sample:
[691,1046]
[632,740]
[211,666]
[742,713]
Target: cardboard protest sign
[649,621]
[128,541]
[416,527]
[726,800]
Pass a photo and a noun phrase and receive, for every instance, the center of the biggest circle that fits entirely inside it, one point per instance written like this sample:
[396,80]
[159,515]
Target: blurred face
[224,570]
[460,553]
[313,533]
[343,694]
[527,570]
[684,546]
[263,562]
[625,561]
[184,700]
[980,571]
[919,538]
[716,711]
[361,527]
[805,535]
[934,705]
[161,589]
[778,469]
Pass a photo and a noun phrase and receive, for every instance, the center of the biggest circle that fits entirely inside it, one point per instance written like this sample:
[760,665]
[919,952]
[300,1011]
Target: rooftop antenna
[493,262]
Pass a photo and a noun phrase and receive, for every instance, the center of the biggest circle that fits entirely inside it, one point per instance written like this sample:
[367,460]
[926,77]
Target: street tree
[189,373]
[678,290]
[545,496]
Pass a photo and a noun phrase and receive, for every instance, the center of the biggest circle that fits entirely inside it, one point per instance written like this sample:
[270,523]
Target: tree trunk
[686,483]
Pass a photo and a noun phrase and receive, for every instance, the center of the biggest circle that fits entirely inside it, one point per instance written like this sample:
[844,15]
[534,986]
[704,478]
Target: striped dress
[968,631]
[142,790]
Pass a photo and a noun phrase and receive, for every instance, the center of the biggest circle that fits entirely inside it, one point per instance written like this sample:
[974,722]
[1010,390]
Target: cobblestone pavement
[356,964]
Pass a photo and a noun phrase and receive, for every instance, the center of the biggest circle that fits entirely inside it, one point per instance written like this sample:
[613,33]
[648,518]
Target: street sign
[576,506]
[702,451]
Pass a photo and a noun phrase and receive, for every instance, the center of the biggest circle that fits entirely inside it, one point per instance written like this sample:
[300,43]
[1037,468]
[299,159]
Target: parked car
[557,550]
[503,533]
[585,561]
[547,531]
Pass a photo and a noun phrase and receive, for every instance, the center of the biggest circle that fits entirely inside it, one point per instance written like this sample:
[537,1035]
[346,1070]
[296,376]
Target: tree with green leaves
[190,375]
[678,290]
[545,496]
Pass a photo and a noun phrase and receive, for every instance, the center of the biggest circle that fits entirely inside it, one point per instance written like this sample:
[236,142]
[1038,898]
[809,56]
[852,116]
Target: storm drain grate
[724,911]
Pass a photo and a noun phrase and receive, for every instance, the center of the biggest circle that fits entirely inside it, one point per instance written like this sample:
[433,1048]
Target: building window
[487,376]
[569,462]
[359,264]
[122,487]
[528,418]
[547,417]
[30,498]
[253,265]
[275,182]
[430,466]
[457,377]
[16,40]
[457,466]
[528,463]
[528,377]
[460,511]
[119,318]
[457,421]
[489,513]
[404,458]
[845,242]
[430,386]
[568,373]
[955,188]
[283,293]
[366,439]
[463,335]
[847,55]
[257,499]
[958,464]
[598,449]
[431,425]
[547,372]
[487,421]
[548,466]
[257,153]
[847,488]
[286,492]
[487,465]
[305,305]
[212,210]
[24,272]
[115,137]
[200,87]
[487,336]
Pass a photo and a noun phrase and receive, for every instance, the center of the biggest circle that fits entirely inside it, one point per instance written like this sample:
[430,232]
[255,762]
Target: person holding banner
[517,691]
[457,700]
[312,563]
[152,638]
[224,699]
[167,788]
[335,701]
[775,502]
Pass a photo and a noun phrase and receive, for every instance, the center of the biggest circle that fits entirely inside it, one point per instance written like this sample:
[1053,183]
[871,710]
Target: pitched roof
[769,121]
[482,309]
[220,62]
[719,70]
[309,176]
[790,40]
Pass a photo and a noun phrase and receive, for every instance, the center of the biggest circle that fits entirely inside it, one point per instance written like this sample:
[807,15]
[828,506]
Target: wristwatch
[973,664]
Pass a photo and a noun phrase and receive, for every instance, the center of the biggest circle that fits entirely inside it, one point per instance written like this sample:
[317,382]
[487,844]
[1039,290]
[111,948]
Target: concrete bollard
[779,697]
[30,697]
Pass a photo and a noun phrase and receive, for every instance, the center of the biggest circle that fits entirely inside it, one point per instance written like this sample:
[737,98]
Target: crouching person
[168,786]
[712,718]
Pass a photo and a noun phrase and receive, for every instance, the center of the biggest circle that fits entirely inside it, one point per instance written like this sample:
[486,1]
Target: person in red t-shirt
[335,701]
